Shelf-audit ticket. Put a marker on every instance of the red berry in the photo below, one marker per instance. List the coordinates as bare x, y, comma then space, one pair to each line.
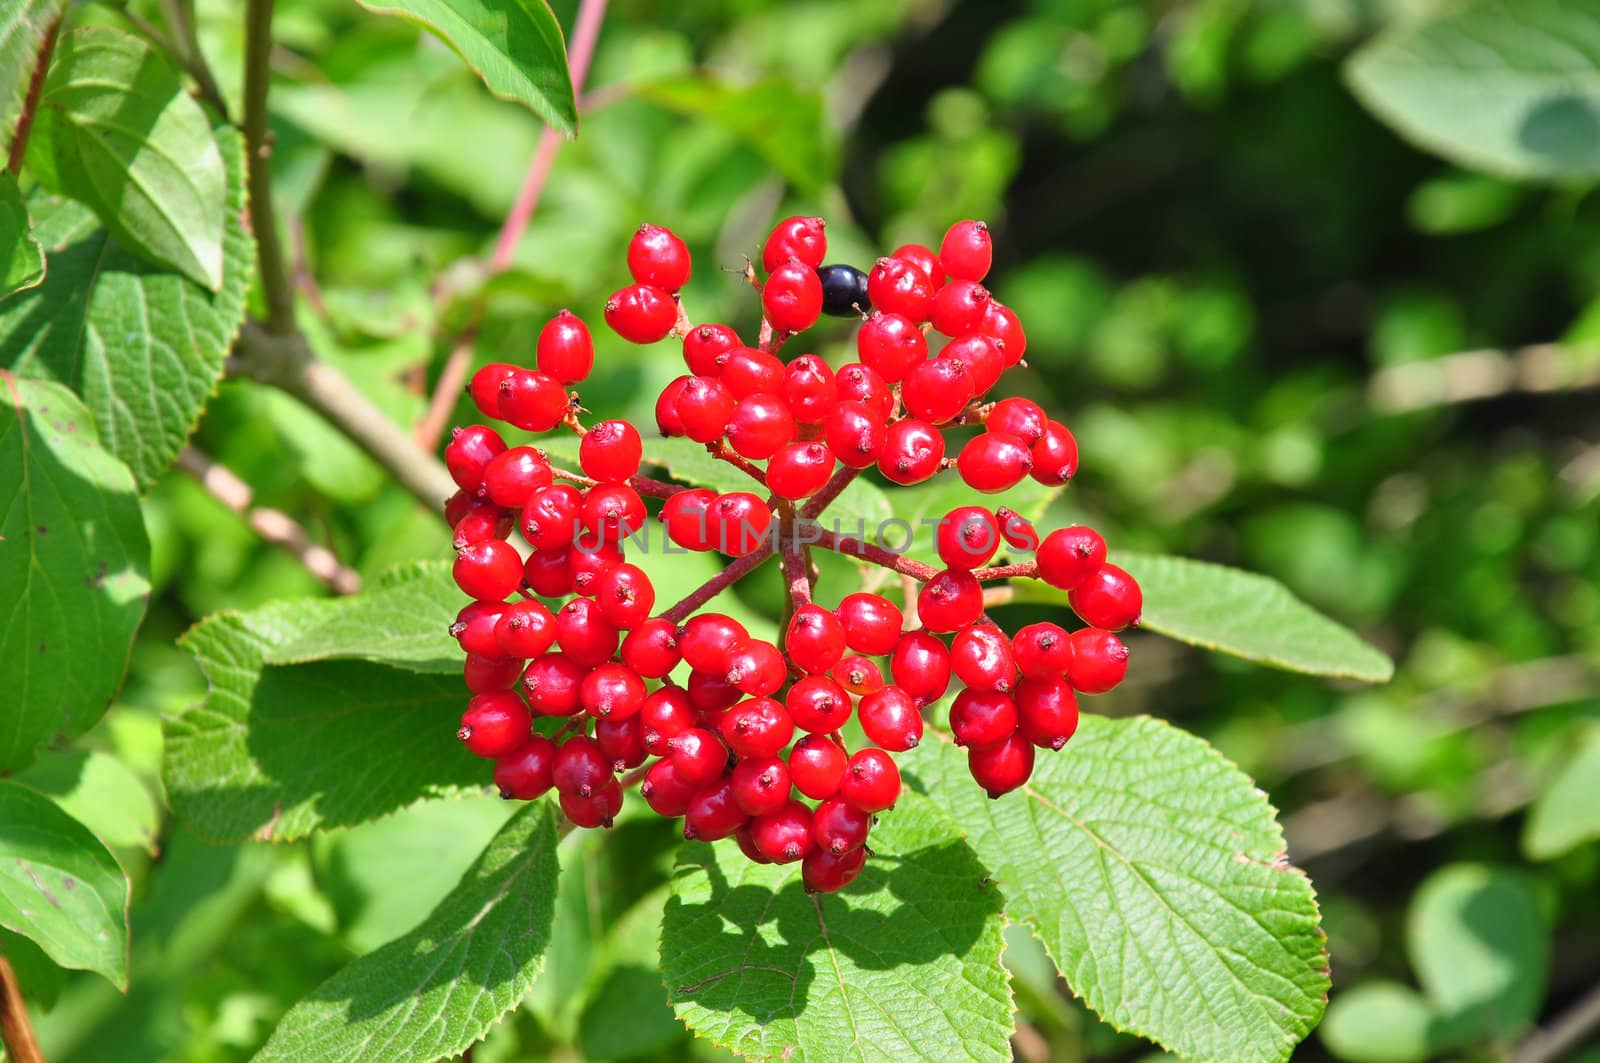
470, 451
923, 258
514, 475
1002, 323
552, 684
610, 451
801, 238
937, 391
625, 595
967, 251
967, 537
1055, 456
839, 827
747, 371
871, 781
759, 426
895, 286
1016, 530
581, 768
665, 714
1022, 418
1109, 599
950, 600
816, 766
809, 389
993, 462
706, 638
759, 727
920, 665
482, 674
526, 629
799, 469
738, 523
488, 571
657, 257
597, 810
818, 704
1068, 556
761, 785
983, 358
1047, 711
756, 667
642, 313
823, 872
1042, 650
706, 347
612, 691
858, 675
621, 740
565, 349
1002, 767
474, 628
855, 434
890, 719
665, 791
525, 773
746, 837
710, 692
485, 387
584, 634
892, 345
668, 421
612, 512
713, 814
815, 639
1099, 661
912, 451
958, 307
863, 384
784, 836
792, 297
981, 658
651, 648
687, 516
982, 717
496, 723
871, 623
588, 558
533, 401
697, 755
551, 519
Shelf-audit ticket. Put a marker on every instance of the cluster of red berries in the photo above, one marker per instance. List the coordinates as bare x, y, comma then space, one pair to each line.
723, 730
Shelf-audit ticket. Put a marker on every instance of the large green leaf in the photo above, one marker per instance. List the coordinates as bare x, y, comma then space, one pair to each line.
74, 568
276, 753
1154, 872
1566, 812
23, 25
117, 132
60, 887
1507, 86
514, 45
404, 621
21, 257
1250, 616
434, 992
903, 964
143, 346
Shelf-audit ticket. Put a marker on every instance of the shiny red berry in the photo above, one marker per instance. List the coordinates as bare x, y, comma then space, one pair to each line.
738, 522
622, 740
756, 667
706, 348
759, 426
747, 371
761, 785
871, 781
858, 675
758, 727
599, 809
816, 766
713, 814
1042, 650
871, 622
665, 714
983, 358
665, 791
1110, 598
799, 470
803, 238
469, 453
482, 674
612, 691
892, 345
809, 389
1022, 418
818, 704
967, 250
1002, 767
840, 827
792, 297
895, 286
967, 537
1047, 711
891, 719
913, 450
924, 259
1055, 456
488, 571
533, 401
552, 683
525, 773
1068, 556
668, 421
950, 600
861, 383
705, 640
485, 387
584, 634
938, 390
496, 723
610, 451
981, 657
822, 872
512, 477
1099, 661
1002, 323
565, 350
656, 256
651, 647
920, 665
642, 313
784, 836
815, 639
982, 717
624, 595
958, 307
993, 462
855, 434
475, 626
552, 517
526, 629
687, 516
698, 756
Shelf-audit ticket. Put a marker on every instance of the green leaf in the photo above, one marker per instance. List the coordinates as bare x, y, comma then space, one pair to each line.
23, 25
126, 140
21, 257
783, 125
1566, 813
102, 793
74, 568
437, 990
60, 887
515, 46
1250, 616
1379, 1022
1507, 86
1154, 872
276, 753
404, 622
108, 325
628, 984
902, 964
1481, 949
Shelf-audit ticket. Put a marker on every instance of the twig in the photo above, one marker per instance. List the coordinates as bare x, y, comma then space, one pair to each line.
722, 452
16, 1033
1472, 375
719, 583
275, 285
180, 16
643, 484
453, 377
274, 526
300, 266
1566, 1032
285, 362
30, 102
796, 568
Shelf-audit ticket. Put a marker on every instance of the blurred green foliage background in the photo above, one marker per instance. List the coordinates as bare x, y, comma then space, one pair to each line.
1248, 298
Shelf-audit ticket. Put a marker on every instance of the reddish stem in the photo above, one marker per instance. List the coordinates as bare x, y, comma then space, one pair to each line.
643, 484
723, 452
30, 102
845, 544
796, 566
720, 582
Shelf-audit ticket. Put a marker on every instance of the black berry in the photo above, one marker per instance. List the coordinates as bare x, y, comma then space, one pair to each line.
844, 291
